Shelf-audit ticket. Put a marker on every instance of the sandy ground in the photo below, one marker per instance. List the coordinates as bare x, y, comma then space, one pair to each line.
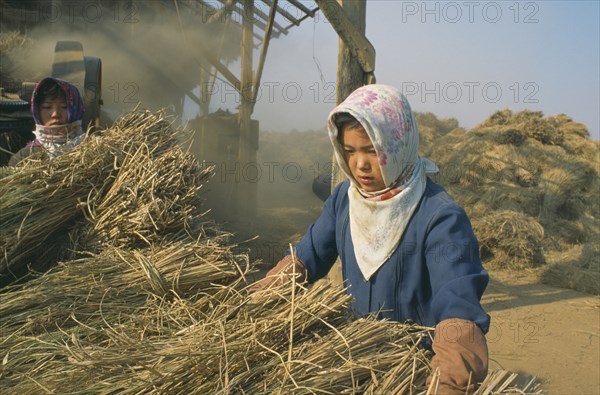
542, 331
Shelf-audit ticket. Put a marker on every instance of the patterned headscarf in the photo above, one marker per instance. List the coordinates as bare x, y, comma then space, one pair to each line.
378, 219
54, 137
386, 116
74, 101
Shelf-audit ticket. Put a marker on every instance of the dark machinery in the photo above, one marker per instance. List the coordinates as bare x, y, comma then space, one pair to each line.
16, 121
233, 189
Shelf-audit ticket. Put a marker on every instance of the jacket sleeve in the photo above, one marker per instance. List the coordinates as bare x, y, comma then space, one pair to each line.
457, 276
318, 249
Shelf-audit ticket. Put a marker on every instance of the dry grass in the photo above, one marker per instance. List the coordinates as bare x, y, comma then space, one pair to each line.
128, 180
155, 300
510, 239
576, 268
529, 185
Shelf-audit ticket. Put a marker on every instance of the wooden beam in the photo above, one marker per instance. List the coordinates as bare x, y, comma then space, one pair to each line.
258, 17
245, 193
263, 52
226, 9
211, 75
247, 48
356, 41
207, 54
205, 75
221, 68
311, 15
284, 13
215, 14
303, 8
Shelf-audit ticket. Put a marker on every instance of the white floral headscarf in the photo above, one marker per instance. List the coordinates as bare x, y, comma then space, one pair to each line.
377, 226
386, 116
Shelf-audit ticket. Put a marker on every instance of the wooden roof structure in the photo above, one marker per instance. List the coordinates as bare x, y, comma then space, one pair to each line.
271, 21
290, 16
189, 40
258, 21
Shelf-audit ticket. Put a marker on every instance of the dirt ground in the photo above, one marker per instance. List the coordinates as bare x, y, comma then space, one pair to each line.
542, 331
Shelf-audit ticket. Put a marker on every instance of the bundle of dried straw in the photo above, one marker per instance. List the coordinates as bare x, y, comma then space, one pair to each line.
129, 180
156, 302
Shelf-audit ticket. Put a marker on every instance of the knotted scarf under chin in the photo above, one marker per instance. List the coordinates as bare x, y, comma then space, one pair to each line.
54, 137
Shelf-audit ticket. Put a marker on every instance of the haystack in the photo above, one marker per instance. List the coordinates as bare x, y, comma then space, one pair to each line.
510, 239
154, 298
530, 186
129, 179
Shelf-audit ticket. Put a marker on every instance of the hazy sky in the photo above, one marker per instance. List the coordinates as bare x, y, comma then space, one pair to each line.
463, 59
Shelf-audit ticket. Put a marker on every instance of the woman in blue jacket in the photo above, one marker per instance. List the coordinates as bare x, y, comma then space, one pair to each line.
408, 251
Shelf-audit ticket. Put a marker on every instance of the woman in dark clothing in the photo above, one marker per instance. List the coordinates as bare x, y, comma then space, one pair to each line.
408, 251
57, 110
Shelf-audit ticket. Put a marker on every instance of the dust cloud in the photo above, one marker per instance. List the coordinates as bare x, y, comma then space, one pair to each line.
152, 56
150, 53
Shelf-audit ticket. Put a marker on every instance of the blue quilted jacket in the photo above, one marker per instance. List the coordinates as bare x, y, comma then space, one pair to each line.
434, 274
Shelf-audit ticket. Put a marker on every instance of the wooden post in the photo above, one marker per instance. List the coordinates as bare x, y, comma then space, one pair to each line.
208, 76
243, 193
205, 88
350, 76
263, 51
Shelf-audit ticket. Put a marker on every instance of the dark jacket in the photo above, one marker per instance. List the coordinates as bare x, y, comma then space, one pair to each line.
434, 274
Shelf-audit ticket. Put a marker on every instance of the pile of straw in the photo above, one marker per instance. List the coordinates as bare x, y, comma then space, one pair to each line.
529, 185
129, 180
510, 239
106, 324
153, 298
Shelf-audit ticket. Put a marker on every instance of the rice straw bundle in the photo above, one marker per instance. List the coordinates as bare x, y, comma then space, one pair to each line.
510, 239
356, 357
126, 277
576, 268
574, 277
39, 203
147, 199
153, 351
158, 303
45, 200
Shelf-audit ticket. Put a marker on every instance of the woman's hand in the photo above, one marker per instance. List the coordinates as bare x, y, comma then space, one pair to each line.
281, 274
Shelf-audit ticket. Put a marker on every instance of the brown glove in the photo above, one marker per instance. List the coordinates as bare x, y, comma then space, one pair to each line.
281, 274
460, 351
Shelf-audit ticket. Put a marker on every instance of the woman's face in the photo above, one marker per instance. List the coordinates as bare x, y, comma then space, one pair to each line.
54, 112
361, 158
